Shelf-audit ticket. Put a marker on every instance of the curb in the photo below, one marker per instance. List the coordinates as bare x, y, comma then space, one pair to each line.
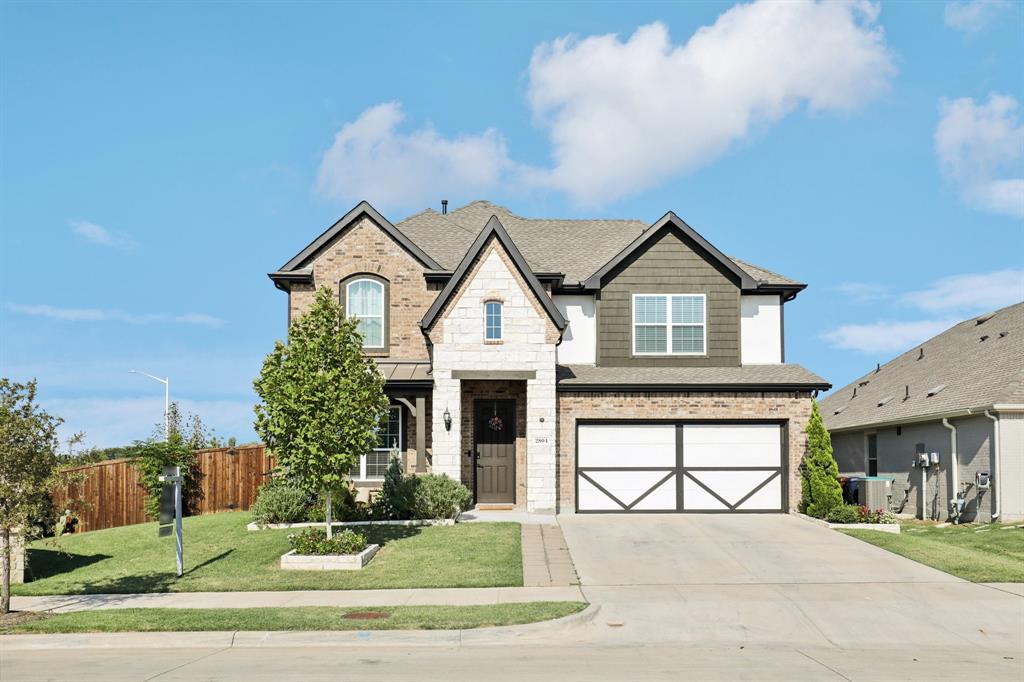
350, 524
310, 639
877, 527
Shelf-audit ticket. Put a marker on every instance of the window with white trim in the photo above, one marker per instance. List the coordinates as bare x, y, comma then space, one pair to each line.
373, 465
364, 299
492, 321
669, 324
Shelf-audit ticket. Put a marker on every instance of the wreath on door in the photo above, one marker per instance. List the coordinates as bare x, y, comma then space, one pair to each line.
495, 423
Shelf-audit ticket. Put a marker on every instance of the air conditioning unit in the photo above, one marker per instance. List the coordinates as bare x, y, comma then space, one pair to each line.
875, 492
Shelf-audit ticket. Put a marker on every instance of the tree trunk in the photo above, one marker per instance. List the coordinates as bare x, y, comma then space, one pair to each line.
330, 533
5, 593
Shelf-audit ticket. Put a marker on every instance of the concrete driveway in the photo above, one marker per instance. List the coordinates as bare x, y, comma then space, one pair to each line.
776, 580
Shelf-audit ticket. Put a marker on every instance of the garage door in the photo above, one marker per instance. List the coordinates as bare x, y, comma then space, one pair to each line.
680, 467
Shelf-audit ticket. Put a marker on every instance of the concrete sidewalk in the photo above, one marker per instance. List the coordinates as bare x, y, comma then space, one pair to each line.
213, 600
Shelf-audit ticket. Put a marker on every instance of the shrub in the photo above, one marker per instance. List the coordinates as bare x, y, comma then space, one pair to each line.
315, 541
439, 497
819, 474
847, 513
396, 498
150, 458
876, 516
344, 506
279, 501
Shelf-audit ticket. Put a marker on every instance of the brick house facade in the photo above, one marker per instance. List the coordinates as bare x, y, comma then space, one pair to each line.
508, 369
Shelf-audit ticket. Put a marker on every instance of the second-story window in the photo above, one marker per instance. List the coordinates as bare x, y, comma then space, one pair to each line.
492, 321
669, 324
364, 299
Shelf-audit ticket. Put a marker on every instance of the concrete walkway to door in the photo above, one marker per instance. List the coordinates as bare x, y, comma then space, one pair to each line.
774, 579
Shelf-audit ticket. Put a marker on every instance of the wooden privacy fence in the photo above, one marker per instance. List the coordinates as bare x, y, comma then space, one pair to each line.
115, 496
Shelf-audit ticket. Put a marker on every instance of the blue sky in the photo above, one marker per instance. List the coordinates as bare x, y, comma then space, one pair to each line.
156, 160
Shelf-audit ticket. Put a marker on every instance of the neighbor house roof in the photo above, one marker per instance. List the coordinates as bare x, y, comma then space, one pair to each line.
576, 248
746, 377
975, 364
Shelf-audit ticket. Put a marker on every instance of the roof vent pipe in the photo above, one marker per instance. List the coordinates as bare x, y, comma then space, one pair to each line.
906, 395
444, 207
878, 367
921, 355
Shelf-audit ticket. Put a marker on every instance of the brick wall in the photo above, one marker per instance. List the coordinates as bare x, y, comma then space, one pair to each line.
365, 248
793, 407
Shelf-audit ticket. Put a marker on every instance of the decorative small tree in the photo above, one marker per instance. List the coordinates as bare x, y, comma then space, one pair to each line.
820, 473
323, 400
28, 459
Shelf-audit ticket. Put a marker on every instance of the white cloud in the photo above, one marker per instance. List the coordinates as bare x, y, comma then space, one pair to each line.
885, 337
970, 16
97, 234
111, 315
864, 292
627, 115
952, 299
371, 159
108, 422
970, 292
980, 149
624, 116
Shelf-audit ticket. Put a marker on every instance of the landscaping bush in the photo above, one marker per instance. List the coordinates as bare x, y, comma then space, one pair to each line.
280, 501
819, 473
847, 513
315, 541
397, 496
852, 513
344, 506
439, 497
150, 458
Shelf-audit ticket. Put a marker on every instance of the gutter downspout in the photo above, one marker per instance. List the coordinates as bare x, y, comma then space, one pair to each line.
955, 464
997, 489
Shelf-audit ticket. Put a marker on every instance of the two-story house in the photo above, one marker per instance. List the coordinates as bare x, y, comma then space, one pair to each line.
559, 365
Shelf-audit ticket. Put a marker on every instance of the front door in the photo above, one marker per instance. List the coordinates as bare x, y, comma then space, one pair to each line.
494, 433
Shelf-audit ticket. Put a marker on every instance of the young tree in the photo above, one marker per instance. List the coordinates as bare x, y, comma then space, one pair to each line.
820, 473
323, 400
28, 458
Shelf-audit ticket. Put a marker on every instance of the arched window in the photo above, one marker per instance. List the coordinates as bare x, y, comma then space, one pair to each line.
492, 321
364, 299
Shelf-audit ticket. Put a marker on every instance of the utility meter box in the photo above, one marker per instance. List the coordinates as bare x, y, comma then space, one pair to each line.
922, 459
934, 458
983, 481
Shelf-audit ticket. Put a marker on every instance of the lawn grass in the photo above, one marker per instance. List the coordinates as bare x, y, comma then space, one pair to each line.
981, 554
298, 618
222, 556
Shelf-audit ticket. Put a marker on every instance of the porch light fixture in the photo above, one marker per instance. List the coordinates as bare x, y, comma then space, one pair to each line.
447, 420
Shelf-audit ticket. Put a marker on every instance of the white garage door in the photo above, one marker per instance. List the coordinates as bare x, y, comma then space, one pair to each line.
672, 467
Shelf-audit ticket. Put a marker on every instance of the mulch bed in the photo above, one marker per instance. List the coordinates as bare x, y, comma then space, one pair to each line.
9, 621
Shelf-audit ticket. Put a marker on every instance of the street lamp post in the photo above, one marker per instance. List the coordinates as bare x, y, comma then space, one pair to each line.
167, 399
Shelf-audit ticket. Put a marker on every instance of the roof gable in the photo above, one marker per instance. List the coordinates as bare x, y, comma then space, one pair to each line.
494, 229
671, 221
363, 208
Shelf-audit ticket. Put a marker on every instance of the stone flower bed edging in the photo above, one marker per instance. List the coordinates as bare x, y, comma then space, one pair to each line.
328, 562
350, 524
880, 527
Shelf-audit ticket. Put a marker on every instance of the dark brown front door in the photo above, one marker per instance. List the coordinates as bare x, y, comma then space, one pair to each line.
495, 447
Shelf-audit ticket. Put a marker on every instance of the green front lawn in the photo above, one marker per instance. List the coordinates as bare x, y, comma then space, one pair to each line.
298, 618
981, 554
221, 555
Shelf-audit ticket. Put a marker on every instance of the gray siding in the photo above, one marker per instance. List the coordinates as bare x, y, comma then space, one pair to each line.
673, 264
1011, 454
896, 453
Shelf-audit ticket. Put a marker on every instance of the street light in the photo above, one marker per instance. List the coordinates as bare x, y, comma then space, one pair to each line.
167, 399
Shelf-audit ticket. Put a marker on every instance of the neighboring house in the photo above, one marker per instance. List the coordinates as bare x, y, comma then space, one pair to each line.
591, 365
961, 395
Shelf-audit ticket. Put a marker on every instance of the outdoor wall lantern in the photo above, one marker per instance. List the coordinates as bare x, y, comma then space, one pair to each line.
447, 420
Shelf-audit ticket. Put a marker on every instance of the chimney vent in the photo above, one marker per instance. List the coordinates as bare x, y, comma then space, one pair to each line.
444, 207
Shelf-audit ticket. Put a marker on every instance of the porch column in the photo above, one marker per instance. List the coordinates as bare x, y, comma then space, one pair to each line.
421, 435
447, 444
540, 442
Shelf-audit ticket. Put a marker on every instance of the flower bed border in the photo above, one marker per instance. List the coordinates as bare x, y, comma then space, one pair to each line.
880, 527
292, 561
350, 524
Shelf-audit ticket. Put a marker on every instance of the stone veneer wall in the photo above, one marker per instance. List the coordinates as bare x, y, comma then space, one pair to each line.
529, 339
793, 407
501, 389
365, 248
17, 557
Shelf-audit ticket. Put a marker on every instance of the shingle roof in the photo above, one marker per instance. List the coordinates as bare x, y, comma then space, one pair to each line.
768, 376
577, 248
971, 372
